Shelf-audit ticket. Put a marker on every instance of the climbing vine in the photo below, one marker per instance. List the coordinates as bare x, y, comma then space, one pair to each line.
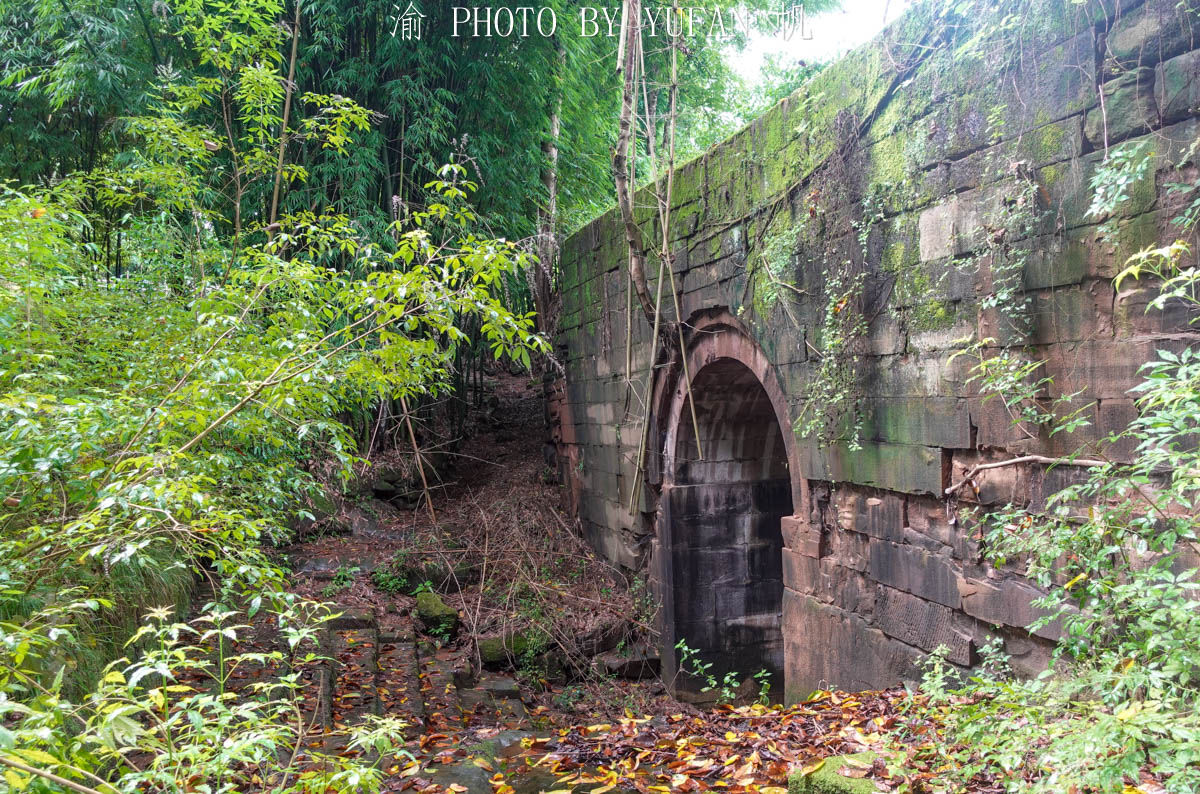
833, 395
1007, 248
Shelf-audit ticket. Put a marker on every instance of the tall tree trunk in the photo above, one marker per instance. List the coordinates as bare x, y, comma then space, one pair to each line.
287, 109
543, 292
631, 43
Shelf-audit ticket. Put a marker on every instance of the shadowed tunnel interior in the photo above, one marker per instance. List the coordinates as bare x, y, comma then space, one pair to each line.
725, 512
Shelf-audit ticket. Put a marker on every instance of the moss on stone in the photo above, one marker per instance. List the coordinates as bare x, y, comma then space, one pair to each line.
505, 648
1049, 142
932, 315
888, 162
826, 780
438, 616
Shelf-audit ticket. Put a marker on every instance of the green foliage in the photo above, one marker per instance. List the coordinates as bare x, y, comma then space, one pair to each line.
169, 718
1114, 179
832, 409
763, 678
158, 419
727, 686
1110, 552
390, 579
770, 273
1007, 245
343, 578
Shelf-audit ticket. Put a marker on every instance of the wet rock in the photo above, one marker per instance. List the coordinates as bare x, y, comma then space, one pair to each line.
473, 779
436, 615
502, 651
503, 744
353, 619
500, 686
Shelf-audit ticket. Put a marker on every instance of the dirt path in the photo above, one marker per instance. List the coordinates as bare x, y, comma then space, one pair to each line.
506, 559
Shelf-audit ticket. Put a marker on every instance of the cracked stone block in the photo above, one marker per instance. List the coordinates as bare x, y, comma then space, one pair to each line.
826, 646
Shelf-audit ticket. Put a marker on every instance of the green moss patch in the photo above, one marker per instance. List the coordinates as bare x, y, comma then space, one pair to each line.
828, 777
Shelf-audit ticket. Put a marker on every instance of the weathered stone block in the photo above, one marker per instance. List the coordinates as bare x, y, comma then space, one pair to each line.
921, 623
1177, 87
1008, 603
998, 486
826, 646
1129, 109
800, 571
801, 536
897, 467
937, 421
942, 230
915, 571
849, 549
847, 589
1155, 31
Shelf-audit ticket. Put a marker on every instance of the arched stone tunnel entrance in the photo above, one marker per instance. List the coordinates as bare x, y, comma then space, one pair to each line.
719, 544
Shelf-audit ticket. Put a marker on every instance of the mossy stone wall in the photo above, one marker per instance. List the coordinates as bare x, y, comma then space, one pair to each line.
902, 161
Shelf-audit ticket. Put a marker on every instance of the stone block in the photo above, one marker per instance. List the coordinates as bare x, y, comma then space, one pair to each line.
930, 517
916, 571
796, 531
1104, 369
907, 468
876, 513
1008, 603
1177, 87
801, 536
849, 549
924, 624
1129, 109
931, 421
800, 572
850, 590
1072, 314
828, 647
1153, 32
998, 486
941, 228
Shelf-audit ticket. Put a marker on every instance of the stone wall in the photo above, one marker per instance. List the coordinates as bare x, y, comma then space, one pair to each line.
943, 162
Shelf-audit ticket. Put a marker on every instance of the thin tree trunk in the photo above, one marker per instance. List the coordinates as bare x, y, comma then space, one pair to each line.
287, 110
631, 38
547, 232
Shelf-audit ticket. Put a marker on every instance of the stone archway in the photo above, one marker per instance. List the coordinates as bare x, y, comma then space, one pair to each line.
719, 548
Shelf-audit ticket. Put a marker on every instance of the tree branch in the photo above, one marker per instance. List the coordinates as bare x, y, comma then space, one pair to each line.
970, 475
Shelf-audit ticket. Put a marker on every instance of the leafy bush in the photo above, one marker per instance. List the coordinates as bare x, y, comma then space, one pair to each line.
1112, 553
159, 421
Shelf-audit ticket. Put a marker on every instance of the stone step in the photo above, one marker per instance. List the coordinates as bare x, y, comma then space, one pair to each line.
349, 690
399, 683
439, 690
